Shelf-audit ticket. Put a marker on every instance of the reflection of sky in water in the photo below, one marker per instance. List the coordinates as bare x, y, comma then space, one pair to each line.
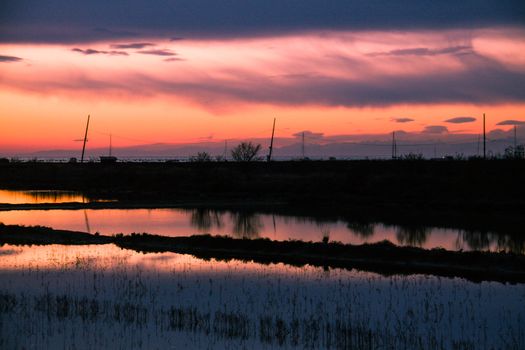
403, 311
184, 222
36, 197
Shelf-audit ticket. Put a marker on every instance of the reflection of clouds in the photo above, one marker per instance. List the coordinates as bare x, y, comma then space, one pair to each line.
246, 225
205, 219
412, 235
360, 229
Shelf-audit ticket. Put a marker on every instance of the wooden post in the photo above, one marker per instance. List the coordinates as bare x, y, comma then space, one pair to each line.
271, 141
85, 139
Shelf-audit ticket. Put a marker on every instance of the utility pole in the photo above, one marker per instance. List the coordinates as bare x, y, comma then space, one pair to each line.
225, 148
85, 139
271, 141
484, 139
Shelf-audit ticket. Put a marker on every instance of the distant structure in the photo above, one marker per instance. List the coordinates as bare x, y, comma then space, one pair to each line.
110, 158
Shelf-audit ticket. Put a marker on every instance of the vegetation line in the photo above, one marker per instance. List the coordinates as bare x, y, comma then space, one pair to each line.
384, 257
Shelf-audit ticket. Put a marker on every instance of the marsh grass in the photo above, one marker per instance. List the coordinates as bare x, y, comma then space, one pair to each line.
103, 297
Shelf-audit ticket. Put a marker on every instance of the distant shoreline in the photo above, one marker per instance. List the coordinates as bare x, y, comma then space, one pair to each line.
383, 258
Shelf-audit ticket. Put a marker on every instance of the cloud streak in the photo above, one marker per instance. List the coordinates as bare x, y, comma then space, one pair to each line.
435, 129
460, 120
424, 51
9, 59
288, 71
511, 122
88, 52
402, 120
158, 52
481, 84
131, 46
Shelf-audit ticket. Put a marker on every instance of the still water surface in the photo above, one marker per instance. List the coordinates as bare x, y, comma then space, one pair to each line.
88, 297
184, 222
240, 224
42, 196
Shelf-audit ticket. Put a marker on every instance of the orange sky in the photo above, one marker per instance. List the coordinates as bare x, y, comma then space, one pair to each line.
334, 83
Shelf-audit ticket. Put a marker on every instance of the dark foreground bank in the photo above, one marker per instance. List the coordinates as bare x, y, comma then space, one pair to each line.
479, 195
384, 258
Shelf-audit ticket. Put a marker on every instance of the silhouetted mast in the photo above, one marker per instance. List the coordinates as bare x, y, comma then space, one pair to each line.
271, 141
484, 139
110, 146
85, 139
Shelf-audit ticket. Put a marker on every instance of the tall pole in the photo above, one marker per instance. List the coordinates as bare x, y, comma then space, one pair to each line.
110, 145
271, 141
85, 139
484, 139
225, 148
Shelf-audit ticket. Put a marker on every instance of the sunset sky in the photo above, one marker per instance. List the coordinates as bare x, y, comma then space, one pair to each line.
189, 71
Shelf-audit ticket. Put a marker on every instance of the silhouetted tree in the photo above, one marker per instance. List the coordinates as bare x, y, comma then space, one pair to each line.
201, 157
515, 153
245, 152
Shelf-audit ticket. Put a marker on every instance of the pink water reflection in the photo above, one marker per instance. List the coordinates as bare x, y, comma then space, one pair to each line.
184, 222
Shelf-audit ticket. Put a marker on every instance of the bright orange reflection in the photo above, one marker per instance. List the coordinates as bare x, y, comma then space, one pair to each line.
36, 197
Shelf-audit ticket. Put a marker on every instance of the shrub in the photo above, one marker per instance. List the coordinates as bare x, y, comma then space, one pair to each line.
245, 152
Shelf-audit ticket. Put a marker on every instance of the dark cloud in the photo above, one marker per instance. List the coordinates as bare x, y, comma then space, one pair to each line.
435, 129
511, 122
9, 59
309, 135
423, 51
98, 52
402, 120
158, 52
131, 46
45, 21
174, 59
482, 81
460, 120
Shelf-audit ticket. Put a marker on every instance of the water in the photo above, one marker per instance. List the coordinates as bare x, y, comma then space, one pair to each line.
87, 297
184, 222
42, 196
